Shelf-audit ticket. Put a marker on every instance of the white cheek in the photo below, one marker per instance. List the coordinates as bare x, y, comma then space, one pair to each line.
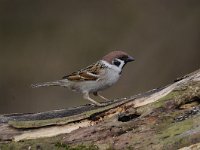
113, 67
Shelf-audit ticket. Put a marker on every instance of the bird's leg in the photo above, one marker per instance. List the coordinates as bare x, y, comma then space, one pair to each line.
97, 94
86, 96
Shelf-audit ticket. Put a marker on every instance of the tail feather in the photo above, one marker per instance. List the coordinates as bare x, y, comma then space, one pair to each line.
53, 83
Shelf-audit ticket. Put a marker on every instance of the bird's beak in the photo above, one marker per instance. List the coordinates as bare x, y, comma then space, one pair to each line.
129, 59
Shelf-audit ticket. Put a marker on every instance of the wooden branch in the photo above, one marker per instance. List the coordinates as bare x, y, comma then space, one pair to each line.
84, 120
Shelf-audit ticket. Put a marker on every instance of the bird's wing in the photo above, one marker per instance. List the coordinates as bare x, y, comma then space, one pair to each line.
90, 73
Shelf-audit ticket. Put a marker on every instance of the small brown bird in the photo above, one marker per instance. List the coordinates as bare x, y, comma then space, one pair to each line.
94, 78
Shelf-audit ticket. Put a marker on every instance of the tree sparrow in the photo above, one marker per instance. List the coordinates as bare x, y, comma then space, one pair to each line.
94, 78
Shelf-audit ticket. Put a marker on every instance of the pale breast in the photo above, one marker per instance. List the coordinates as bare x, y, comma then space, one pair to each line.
107, 77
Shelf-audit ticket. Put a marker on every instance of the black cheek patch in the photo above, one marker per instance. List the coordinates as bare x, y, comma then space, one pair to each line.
116, 63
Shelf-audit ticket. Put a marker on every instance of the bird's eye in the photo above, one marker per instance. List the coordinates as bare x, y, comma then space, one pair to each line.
116, 62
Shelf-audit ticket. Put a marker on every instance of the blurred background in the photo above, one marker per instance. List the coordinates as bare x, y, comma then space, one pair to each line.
44, 40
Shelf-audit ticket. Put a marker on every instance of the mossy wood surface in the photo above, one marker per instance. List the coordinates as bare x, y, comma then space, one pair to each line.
164, 118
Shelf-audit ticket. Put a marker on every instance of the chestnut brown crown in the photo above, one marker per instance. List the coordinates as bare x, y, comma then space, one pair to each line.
118, 55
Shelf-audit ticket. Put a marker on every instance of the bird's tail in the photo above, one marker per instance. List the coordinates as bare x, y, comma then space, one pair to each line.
63, 83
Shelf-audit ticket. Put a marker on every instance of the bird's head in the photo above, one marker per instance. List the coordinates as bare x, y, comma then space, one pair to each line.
118, 58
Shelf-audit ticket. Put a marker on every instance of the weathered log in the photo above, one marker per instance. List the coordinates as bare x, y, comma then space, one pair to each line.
167, 117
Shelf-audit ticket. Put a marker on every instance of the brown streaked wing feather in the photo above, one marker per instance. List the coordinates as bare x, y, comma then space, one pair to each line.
88, 74
73, 77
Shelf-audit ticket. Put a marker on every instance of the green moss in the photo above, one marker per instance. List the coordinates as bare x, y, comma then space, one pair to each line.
42, 123
169, 96
46, 144
42, 143
184, 93
177, 128
178, 96
171, 136
77, 147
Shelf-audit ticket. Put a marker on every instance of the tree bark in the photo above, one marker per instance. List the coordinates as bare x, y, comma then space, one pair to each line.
163, 118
